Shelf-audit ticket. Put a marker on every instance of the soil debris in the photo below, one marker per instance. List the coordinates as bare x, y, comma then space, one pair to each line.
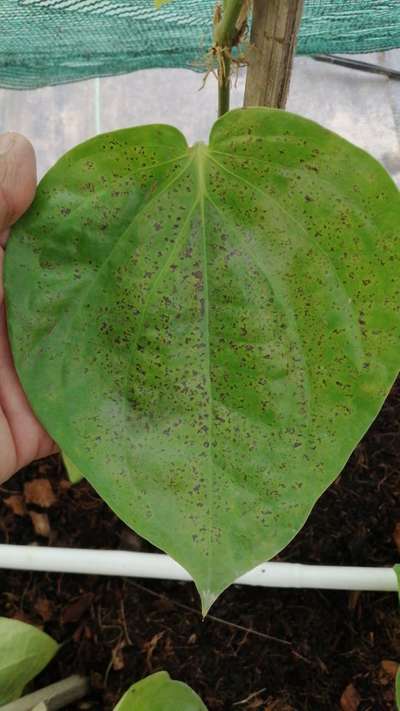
350, 699
40, 523
39, 492
16, 504
396, 535
74, 611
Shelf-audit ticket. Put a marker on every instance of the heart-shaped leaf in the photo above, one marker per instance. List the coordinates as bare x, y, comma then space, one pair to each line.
159, 692
24, 652
208, 332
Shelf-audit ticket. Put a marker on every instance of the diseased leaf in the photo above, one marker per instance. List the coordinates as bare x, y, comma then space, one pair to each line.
208, 332
159, 692
24, 652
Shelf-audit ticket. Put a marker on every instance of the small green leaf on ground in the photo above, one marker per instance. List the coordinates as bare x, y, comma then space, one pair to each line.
159, 692
396, 569
24, 652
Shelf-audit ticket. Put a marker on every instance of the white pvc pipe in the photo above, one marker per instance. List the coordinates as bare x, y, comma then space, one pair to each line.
155, 565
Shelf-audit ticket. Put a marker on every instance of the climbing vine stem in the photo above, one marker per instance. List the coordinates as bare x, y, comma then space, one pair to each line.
229, 23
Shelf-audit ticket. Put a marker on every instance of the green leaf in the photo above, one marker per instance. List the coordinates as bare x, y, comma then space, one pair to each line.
396, 569
24, 652
208, 332
73, 472
159, 692
158, 3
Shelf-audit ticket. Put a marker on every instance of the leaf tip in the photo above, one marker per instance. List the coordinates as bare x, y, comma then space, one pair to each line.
207, 600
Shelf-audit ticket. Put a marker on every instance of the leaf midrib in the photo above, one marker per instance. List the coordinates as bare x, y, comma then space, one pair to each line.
201, 153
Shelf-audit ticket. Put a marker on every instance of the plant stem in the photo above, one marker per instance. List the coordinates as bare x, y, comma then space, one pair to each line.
224, 88
226, 29
53, 697
225, 33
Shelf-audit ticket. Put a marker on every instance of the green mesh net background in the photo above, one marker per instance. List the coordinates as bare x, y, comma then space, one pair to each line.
54, 41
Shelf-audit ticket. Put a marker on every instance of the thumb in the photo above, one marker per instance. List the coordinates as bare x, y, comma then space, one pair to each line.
17, 179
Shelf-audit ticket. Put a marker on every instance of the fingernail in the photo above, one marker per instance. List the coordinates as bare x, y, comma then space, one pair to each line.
7, 141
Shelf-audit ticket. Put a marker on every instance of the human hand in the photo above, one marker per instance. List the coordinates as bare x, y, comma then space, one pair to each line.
22, 438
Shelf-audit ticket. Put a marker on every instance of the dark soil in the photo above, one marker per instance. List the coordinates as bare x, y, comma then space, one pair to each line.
118, 630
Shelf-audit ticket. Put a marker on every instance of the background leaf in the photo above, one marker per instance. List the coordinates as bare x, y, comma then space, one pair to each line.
208, 332
159, 692
24, 652
396, 569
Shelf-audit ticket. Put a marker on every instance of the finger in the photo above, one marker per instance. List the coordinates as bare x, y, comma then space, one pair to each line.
1, 276
30, 441
17, 179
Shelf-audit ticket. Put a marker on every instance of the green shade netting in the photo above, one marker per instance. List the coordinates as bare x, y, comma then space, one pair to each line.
54, 41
